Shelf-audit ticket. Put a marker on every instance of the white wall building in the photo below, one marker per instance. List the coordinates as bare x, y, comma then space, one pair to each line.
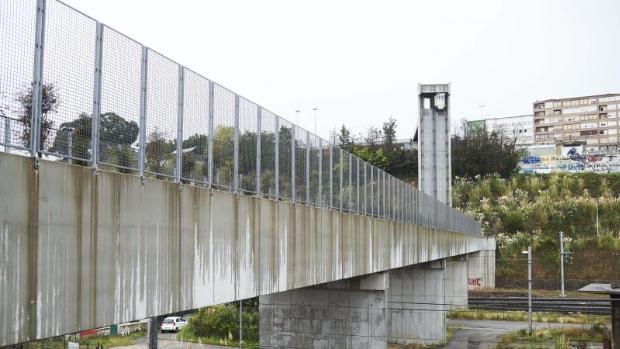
519, 127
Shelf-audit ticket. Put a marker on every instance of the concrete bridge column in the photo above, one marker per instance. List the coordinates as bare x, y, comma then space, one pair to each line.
456, 283
416, 299
344, 314
400, 306
481, 267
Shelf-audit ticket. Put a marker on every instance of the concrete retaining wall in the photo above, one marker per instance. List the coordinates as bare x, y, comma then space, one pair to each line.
80, 251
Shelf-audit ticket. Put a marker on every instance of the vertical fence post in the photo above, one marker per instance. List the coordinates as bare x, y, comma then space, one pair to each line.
143, 92
276, 169
259, 116
307, 177
7, 133
320, 169
210, 131
293, 189
97, 97
350, 203
340, 175
365, 188
37, 81
357, 184
331, 175
236, 147
372, 191
180, 112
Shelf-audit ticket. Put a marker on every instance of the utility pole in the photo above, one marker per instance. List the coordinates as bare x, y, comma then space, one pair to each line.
597, 217
562, 294
529, 288
240, 323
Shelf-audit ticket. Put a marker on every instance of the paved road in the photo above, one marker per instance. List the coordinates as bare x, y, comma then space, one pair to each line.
484, 334
169, 341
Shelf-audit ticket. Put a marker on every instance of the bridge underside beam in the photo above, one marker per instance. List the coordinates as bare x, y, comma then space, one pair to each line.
81, 251
400, 306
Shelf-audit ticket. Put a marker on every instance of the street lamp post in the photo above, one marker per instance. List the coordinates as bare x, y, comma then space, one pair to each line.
315, 110
562, 263
297, 113
529, 288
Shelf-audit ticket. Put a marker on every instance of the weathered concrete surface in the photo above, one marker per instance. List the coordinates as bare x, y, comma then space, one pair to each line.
417, 306
481, 266
347, 314
399, 306
456, 283
80, 251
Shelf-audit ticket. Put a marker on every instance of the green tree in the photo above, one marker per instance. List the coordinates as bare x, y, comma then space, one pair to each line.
344, 139
49, 105
158, 152
115, 138
481, 153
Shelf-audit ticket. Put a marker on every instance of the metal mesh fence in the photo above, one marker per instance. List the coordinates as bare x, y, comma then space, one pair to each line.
248, 127
300, 164
326, 174
314, 190
119, 123
268, 153
17, 42
194, 164
68, 81
285, 156
100, 98
161, 116
223, 137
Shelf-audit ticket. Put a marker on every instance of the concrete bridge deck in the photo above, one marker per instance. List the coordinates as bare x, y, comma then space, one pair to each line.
80, 249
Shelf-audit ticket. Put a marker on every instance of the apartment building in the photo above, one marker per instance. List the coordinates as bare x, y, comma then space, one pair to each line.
589, 120
518, 127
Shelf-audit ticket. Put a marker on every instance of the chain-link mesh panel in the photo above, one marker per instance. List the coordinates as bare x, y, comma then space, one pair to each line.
300, 164
119, 122
161, 116
337, 178
68, 81
223, 137
248, 125
346, 181
315, 157
194, 163
364, 180
285, 139
267, 153
17, 35
326, 176
354, 184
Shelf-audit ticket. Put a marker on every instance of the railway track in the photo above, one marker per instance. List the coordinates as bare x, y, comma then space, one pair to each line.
555, 305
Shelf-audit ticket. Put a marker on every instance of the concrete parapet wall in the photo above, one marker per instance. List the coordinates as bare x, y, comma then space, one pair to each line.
80, 251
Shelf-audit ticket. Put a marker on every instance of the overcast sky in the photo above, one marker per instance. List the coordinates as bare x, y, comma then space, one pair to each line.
360, 62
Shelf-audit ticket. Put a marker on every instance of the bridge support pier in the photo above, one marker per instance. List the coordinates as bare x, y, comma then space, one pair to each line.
417, 304
400, 306
481, 267
344, 314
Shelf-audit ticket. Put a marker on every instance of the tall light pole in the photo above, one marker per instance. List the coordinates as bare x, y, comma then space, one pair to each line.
297, 113
315, 110
529, 288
